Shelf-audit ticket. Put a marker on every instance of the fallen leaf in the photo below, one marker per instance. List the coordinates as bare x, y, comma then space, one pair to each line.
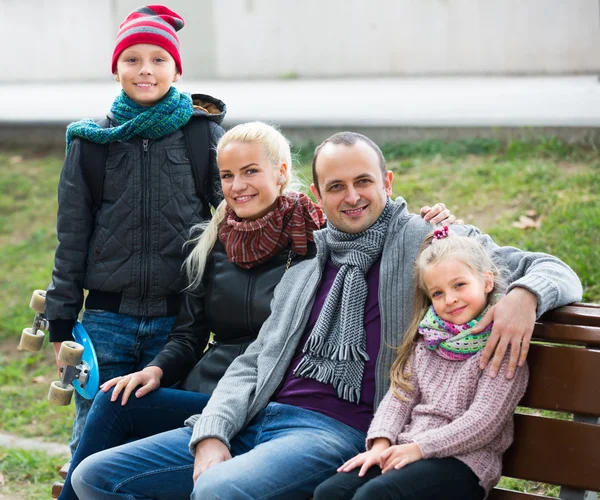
39, 380
531, 213
525, 222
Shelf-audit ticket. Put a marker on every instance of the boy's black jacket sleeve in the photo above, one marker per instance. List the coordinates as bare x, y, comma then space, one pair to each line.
74, 228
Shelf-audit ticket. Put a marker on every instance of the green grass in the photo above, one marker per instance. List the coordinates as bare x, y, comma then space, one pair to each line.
27, 234
531, 487
24, 383
483, 181
27, 474
492, 192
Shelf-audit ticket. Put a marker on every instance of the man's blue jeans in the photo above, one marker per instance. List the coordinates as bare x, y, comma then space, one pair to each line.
123, 344
110, 424
285, 452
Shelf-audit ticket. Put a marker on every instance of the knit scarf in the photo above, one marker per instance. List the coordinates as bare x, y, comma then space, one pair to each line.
450, 341
335, 352
248, 243
172, 112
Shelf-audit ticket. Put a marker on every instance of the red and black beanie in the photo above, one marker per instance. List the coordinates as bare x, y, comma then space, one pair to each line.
155, 24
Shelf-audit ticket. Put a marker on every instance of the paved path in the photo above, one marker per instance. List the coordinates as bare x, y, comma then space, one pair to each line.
572, 101
32, 444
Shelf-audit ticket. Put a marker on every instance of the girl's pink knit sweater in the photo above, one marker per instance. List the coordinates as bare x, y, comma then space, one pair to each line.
454, 410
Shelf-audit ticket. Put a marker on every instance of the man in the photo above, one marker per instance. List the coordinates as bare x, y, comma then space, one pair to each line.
298, 403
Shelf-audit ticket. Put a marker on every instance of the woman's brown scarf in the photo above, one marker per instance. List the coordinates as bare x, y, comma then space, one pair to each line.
249, 243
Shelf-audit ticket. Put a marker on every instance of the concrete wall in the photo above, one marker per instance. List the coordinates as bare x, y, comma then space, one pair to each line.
50, 40
60, 40
406, 37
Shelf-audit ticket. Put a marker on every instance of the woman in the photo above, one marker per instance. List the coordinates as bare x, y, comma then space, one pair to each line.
259, 230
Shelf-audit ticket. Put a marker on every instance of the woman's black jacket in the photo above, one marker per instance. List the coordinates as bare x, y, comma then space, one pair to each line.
231, 302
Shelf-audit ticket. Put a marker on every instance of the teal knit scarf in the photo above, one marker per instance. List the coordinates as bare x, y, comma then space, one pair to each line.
173, 111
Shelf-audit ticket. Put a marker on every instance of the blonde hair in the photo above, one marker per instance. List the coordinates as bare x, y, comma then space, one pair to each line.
467, 250
277, 150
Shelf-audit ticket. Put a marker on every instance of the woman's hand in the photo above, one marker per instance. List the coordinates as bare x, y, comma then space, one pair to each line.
439, 214
396, 457
367, 459
148, 378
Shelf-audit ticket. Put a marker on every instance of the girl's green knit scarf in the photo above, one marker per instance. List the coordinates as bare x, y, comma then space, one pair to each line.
450, 341
173, 111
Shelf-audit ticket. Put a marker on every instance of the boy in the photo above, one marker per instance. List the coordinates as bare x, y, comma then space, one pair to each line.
127, 251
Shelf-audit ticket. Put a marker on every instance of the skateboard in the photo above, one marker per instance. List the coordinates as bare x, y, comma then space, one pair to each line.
80, 365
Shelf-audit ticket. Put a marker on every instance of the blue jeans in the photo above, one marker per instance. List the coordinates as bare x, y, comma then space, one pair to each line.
110, 424
123, 344
285, 452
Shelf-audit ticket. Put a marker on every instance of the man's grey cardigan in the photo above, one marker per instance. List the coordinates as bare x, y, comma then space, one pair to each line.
253, 377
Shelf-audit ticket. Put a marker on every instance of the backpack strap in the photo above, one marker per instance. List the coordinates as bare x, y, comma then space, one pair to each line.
93, 163
197, 140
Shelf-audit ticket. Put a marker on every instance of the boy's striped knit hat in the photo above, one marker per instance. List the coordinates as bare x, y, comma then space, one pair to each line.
155, 24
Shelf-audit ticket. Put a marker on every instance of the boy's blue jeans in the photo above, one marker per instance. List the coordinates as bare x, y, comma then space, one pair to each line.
123, 344
285, 452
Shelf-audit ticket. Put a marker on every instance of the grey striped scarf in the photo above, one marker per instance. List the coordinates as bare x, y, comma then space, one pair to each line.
336, 349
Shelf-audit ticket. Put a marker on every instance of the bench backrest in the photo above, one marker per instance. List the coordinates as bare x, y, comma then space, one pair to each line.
564, 377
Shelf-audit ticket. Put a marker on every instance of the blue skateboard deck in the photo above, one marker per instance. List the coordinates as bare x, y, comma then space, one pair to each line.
89, 357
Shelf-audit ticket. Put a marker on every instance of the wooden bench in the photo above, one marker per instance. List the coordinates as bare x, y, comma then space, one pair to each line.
564, 377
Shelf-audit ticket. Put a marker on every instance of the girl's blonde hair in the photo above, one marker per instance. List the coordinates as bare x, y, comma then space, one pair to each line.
467, 250
277, 150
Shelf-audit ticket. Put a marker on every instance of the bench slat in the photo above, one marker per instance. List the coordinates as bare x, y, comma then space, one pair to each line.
571, 334
575, 314
502, 494
563, 379
555, 451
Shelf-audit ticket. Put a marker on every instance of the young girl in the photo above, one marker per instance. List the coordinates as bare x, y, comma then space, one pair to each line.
128, 252
441, 430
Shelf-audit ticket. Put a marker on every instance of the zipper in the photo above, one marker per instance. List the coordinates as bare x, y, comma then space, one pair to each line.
145, 183
248, 292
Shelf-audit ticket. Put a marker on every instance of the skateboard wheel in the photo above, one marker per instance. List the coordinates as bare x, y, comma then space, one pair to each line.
31, 341
57, 488
38, 301
60, 394
70, 353
64, 470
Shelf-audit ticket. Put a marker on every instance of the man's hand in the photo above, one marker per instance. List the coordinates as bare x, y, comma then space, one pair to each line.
148, 378
514, 319
396, 457
367, 459
439, 214
209, 452
56, 350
